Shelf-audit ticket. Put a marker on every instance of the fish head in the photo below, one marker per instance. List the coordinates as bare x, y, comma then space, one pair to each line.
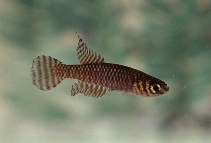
152, 87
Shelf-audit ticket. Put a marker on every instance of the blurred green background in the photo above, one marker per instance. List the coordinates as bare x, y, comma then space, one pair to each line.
168, 39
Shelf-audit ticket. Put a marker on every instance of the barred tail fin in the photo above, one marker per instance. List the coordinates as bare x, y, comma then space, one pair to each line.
43, 72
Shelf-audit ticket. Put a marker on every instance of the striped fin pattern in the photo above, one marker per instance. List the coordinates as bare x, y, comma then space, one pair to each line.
43, 72
88, 89
87, 56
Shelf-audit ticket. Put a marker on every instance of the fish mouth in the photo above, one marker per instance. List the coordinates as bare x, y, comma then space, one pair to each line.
165, 89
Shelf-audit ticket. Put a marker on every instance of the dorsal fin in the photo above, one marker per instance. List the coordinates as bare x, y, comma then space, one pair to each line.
88, 89
87, 56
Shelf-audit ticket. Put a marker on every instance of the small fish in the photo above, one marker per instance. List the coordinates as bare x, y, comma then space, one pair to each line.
94, 76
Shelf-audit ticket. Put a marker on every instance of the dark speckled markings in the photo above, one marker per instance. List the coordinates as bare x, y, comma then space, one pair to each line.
94, 76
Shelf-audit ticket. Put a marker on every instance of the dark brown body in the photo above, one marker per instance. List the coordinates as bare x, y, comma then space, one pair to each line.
112, 76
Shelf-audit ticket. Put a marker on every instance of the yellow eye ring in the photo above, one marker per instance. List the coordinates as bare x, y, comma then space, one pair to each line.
154, 88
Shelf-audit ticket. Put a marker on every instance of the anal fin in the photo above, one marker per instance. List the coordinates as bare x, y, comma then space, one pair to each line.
88, 89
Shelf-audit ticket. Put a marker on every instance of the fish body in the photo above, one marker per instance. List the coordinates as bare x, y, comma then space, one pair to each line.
94, 76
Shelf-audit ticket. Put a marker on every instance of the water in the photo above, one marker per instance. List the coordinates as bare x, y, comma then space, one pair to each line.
170, 40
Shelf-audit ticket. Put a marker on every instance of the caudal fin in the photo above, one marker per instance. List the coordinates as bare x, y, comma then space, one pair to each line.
43, 72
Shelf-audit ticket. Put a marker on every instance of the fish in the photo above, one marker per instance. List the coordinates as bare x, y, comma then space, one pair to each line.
94, 77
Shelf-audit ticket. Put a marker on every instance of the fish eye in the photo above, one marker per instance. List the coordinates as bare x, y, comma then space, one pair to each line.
155, 88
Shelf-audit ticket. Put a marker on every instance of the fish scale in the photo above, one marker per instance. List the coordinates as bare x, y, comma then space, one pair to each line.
101, 73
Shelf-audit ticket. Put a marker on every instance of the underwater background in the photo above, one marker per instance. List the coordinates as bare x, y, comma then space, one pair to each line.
170, 40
